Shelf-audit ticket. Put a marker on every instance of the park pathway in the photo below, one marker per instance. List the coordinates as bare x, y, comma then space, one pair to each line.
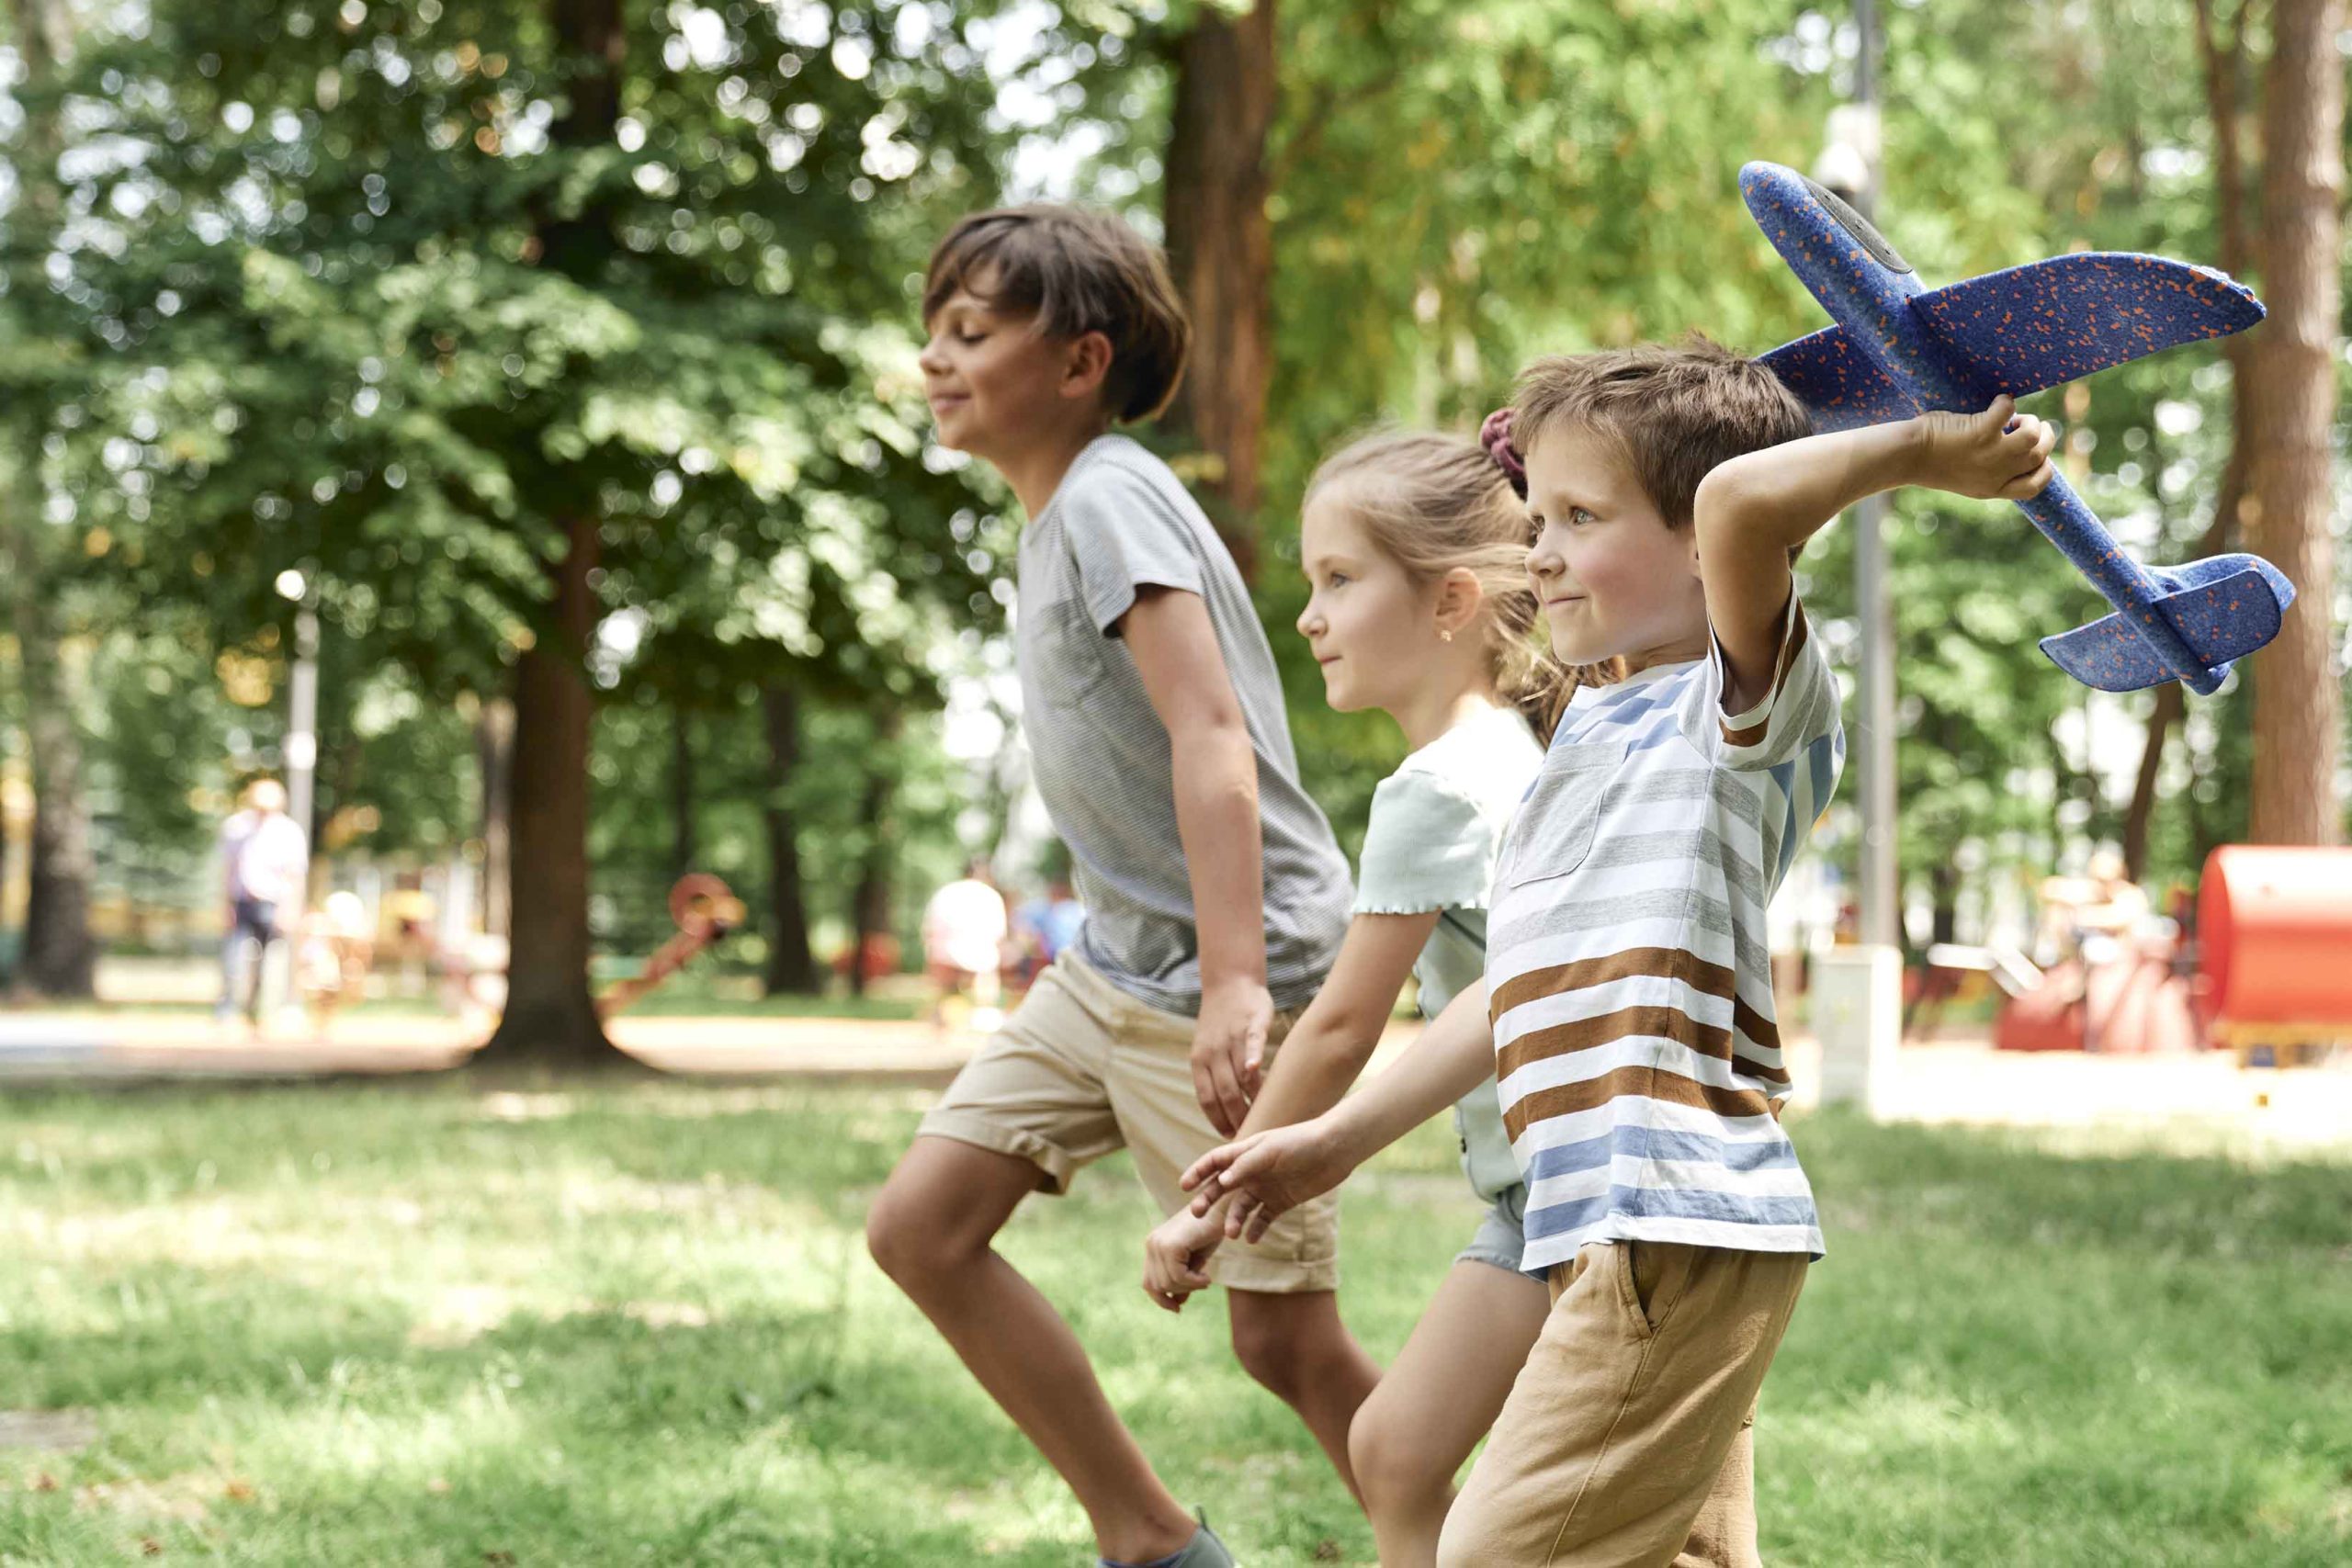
1954, 1079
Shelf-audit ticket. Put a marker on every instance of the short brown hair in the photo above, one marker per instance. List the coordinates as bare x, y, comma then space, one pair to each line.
1676, 411
1074, 271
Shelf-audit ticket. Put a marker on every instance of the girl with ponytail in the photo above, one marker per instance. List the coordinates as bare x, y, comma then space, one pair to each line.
1415, 548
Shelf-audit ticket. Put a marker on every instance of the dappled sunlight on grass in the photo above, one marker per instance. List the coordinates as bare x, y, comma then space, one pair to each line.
637, 1321
1909, 1423
507, 1106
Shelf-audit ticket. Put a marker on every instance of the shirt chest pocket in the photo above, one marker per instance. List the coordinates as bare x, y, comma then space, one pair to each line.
1068, 656
1552, 835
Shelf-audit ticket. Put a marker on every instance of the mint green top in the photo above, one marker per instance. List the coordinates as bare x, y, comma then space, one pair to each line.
1437, 825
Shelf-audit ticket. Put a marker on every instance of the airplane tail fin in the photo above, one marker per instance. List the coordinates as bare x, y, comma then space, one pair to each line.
2223, 608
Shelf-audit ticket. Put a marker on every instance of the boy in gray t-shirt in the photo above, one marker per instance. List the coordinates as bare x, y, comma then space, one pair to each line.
1215, 895
1119, 527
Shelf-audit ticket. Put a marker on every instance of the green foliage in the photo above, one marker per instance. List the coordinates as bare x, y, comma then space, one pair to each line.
2107, 147
393, 323
1461, 189
632, 833
339, 295
173, 739
349, 301
165, 725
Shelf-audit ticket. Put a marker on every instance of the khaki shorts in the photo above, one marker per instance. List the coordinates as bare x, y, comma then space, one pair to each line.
1629, 1438
1081, 1070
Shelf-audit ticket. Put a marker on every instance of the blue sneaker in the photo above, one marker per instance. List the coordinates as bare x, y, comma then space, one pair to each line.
1204, 1550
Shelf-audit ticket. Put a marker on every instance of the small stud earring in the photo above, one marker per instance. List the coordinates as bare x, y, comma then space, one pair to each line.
1446, 636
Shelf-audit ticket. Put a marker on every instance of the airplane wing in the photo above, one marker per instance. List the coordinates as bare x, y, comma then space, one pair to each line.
2033, 327
1840, 385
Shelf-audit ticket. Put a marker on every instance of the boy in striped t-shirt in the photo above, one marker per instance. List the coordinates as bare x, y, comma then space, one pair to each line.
1627, 1009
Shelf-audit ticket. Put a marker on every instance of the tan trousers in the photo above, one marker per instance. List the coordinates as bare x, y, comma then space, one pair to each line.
1628, 1440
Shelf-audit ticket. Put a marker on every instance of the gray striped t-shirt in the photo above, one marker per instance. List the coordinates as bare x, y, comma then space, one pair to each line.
1120, 522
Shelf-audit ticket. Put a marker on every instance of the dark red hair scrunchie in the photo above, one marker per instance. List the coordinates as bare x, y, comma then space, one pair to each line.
1495, 436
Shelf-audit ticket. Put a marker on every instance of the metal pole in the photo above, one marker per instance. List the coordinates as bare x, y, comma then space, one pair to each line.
302, 727
1875, 719
1857, 1001
1880, 892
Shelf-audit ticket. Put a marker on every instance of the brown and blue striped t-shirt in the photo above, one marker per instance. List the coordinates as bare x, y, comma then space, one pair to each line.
1628, 976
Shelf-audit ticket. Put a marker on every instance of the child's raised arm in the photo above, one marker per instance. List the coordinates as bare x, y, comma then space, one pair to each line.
1753, 511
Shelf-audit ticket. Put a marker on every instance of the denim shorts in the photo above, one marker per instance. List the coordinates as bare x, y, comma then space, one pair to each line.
1501, 1236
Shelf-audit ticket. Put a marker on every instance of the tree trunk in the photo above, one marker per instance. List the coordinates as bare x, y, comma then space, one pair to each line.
2223, 60
2140, 815
1943, 887
1220, 248
792, 968
2296, 695
60, 956
683, 849
2139, 818
550, 1019
869, 904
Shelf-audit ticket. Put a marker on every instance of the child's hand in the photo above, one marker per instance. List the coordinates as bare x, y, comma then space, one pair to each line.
1998, 454
1229, 1050
1268, 1174
1176, 1255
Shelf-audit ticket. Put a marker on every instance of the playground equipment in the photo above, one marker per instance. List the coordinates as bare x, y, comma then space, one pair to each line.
2274, 932
2131, 1002
1899, 348
704, 910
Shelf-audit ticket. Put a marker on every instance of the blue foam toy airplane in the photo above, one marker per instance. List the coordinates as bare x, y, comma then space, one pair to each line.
1899, 348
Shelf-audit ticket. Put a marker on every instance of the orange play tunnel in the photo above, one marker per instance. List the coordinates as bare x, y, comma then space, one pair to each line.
2274, 937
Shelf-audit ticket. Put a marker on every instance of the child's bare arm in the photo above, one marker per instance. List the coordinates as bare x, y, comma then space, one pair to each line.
1175, 648
1315, 1065
1752, 511
1272, 1172
1454, 1055
1343, 1024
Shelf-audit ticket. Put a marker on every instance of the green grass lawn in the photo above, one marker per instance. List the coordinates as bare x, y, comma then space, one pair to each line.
634, 1323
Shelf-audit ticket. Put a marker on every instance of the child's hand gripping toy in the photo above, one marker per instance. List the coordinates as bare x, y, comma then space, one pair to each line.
1899, 349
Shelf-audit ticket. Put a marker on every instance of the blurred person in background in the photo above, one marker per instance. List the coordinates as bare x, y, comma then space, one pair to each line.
1042, 927
964, 928
264, 854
